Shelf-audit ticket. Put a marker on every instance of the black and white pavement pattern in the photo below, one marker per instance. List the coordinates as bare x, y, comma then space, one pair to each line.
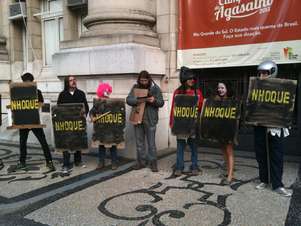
128, 197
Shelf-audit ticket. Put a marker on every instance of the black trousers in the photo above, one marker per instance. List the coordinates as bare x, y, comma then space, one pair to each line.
276, 156
66, 158
40, 135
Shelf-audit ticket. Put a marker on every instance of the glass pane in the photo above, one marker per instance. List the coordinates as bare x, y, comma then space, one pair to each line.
81, 26
56, 5
61, 29
51, 41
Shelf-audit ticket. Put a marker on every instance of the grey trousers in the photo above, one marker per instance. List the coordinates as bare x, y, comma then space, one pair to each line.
143, 131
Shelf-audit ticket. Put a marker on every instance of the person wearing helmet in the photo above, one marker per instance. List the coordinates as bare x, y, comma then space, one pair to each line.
266, 70
188, 86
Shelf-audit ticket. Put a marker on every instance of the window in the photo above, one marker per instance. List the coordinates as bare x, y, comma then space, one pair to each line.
53, 29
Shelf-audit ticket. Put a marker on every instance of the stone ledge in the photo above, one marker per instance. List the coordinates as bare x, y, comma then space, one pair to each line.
127, 58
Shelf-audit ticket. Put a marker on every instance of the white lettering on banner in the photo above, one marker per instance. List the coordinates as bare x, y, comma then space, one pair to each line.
227, 10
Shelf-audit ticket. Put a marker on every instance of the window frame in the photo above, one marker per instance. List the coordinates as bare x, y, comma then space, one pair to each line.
47, 15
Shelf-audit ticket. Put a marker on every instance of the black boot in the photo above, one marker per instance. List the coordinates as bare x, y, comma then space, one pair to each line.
139, 165
154, 166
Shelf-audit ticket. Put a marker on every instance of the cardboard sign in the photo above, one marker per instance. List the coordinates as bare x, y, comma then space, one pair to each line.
220, 120
69, 127
270, 102
24, 105
109, 120
137, 112
185, 114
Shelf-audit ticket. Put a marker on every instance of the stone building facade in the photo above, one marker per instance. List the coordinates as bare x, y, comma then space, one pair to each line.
111, 41
94, 40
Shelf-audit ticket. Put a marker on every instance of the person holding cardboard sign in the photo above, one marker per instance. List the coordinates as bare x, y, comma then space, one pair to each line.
151, 102
188, 87
38, 132
269, 144
71, 94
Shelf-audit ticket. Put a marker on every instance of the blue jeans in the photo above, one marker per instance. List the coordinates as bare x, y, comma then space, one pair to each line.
102, 153
181, 143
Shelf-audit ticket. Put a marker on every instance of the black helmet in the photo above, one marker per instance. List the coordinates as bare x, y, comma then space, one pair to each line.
269, 66
186, 74
27, 77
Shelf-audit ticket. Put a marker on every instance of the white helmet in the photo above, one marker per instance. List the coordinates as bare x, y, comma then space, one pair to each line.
269, 66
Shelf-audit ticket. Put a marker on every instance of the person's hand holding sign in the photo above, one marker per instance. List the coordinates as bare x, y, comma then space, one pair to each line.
150, 99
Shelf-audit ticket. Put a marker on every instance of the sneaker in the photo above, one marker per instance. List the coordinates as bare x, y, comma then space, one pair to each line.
261, 186
21, 166
178, 173
50, 166
194, 172
225, 181
80, 164
138, 166
114, 166
284, 192
65, 171
100, 165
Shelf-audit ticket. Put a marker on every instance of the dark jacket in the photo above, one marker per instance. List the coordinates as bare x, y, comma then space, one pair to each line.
151, 109
78, 96
40, 97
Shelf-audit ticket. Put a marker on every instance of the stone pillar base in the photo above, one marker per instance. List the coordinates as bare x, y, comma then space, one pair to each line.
126, 58
119, 65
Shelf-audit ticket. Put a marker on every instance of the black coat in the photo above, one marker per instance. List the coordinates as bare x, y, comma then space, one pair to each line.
40, 97
78, 96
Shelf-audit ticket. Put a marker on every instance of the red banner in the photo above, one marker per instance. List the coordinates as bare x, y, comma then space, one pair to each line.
237, 23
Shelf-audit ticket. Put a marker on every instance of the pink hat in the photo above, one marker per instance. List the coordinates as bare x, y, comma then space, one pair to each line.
103, 90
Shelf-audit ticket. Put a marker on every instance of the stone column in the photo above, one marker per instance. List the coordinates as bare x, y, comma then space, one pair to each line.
116, 17
120, 42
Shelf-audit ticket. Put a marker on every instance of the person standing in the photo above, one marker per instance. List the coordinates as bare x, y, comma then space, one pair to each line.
223, 94
71, 94
147, 128
274, 137
188, 87
38, 132
104, 91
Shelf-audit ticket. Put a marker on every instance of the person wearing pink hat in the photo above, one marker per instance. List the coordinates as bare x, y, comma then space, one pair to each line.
103, 92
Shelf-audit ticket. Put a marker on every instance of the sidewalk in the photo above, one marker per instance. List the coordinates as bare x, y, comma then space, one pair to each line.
127, 197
